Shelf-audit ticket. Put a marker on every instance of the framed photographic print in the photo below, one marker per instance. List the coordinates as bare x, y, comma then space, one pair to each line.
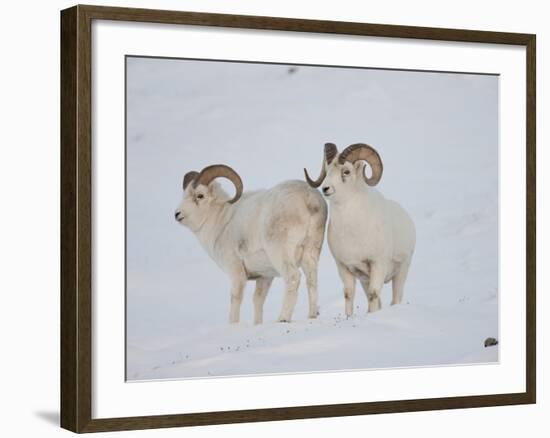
271, 218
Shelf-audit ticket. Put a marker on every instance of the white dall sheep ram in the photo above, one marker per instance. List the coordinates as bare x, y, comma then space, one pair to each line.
370, 237
257, 235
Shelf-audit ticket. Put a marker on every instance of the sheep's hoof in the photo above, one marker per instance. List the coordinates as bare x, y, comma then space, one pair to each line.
375, 307
283, 320
489, 342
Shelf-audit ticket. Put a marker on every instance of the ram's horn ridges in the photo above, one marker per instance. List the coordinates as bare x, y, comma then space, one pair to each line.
330, 152
189, 177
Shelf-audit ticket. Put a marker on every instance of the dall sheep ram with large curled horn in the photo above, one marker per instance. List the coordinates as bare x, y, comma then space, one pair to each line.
257, 235
371, 238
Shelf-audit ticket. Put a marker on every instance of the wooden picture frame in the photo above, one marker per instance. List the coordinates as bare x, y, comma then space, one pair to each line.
76, 218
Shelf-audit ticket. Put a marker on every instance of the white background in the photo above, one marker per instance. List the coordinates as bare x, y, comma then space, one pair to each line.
29, 239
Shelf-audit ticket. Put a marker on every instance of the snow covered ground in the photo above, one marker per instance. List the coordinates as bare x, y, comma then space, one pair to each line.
437, 135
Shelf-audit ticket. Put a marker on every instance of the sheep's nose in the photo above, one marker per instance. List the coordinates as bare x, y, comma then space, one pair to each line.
326, 189
177, 215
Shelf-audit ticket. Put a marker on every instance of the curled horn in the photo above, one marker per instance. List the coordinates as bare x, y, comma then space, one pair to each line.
361, 151
189, 176
330, 153
209, 173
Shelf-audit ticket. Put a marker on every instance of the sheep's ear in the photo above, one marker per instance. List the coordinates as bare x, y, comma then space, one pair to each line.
359, 167
214, 187
363, 169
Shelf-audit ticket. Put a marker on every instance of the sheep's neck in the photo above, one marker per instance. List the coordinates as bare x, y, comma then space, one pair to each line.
348, 210
213, 229
358, 195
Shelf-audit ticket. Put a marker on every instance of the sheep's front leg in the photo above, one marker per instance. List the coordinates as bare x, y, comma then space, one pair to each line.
291, 276
375, 285
262, 287
349, 287
238, 283
398, 283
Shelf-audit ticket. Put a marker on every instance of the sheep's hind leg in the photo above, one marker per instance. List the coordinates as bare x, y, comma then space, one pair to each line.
398, 283
349, 287
291, 276
312, 250
262, 287
309, 266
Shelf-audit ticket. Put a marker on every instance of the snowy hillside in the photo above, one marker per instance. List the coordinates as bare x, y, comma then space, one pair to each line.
437, 135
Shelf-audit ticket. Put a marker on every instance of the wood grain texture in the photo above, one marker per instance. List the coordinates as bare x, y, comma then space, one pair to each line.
76, 294
69, 329
76, 217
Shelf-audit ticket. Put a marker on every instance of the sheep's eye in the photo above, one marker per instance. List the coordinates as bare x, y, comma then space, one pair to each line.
346, 172
200, 196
